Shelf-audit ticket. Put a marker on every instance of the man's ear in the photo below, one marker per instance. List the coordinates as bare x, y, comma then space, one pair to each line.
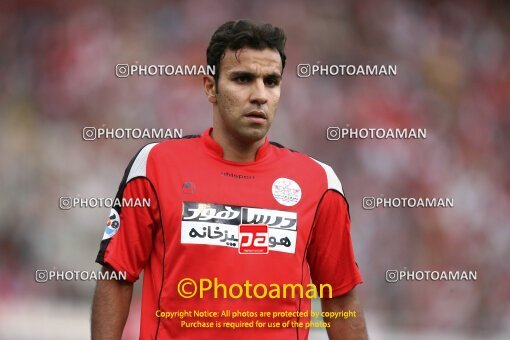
210, 88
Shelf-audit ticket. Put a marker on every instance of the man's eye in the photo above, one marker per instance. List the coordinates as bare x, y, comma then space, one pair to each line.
242, 79
271, 82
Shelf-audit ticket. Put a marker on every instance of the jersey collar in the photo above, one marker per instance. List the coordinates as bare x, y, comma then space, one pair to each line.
216, 150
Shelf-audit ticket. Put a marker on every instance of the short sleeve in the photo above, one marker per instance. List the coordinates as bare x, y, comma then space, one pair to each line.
128, 238
330, 253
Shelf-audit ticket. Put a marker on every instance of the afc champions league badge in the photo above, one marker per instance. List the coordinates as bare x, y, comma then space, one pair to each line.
286, 192
112, 225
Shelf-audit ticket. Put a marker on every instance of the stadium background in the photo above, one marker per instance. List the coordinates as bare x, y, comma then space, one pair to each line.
57, 64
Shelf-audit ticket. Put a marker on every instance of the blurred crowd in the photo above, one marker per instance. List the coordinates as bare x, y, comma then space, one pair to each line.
57, 76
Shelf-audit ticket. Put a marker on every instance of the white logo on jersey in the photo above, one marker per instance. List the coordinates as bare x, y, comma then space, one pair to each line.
286, 192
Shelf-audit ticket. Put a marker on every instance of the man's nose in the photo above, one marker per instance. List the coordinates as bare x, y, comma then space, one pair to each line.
258, 92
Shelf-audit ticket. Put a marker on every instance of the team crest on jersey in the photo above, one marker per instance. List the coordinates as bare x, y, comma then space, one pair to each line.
220, 225
286, 192
112, 225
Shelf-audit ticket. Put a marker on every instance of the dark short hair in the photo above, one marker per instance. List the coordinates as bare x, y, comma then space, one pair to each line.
235, 35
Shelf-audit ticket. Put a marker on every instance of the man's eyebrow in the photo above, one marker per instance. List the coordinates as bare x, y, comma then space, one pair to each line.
272, 75
242, 73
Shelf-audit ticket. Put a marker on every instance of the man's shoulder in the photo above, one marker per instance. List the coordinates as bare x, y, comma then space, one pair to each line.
313, 167
283, 151
169, 145
157, 150
294, 156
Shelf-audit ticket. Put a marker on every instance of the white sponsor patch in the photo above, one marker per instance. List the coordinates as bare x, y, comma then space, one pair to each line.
286, 220
112, 225
225, 235
215, 234
286, 192
218, 225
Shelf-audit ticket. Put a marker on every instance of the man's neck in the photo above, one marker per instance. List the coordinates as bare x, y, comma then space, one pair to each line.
235, 151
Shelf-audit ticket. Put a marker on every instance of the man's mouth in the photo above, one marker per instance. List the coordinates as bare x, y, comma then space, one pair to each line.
256, 115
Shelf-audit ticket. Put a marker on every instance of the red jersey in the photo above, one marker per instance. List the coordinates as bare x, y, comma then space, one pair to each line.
281, 219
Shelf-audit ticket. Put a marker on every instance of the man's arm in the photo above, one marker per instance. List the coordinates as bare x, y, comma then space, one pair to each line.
110, 308
343, 328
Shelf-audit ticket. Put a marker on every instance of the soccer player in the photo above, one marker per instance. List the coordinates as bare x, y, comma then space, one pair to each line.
228, 206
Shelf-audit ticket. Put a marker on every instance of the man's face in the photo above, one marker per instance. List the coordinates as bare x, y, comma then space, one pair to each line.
248, 92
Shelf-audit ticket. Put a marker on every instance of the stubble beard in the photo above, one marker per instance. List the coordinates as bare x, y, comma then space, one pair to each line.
249, 133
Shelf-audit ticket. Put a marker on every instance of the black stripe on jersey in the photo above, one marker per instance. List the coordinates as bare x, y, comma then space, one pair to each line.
348, 212
308, 243
104, 243
278, 145
305, 253
190, 136
120, 191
